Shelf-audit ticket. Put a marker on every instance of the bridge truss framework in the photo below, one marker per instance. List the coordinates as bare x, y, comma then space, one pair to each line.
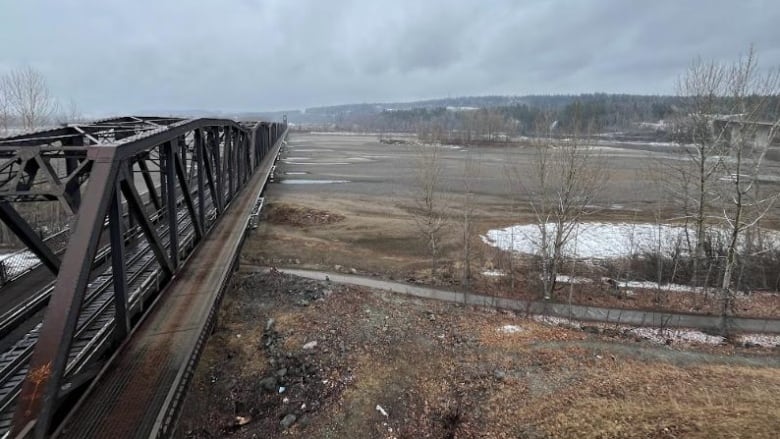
142, 193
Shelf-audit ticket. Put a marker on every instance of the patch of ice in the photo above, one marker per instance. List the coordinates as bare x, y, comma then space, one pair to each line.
565, 279
595, 240
557, 321
289, 162
745, 178
510, 329
300, 181
662, 335
665, 335
767, 341
677, 288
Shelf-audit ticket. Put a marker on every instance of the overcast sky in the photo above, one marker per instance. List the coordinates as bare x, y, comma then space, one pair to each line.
138, 55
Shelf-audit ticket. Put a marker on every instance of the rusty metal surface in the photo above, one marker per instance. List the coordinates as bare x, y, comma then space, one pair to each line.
139, 394
91, 170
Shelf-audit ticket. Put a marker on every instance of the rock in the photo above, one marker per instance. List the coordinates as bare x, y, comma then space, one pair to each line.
353, 271
281, 372
269, 324
338, 267
310, 345
288, 420
499, 374
269, 384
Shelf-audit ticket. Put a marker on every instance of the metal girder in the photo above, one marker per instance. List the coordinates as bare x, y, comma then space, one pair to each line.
199, 164
136, 209
208, 167
215, 154
187, 194
37, 398
195, 156
147, 176
170, 149
27, 235
118, 271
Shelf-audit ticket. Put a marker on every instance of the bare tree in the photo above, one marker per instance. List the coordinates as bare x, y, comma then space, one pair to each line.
29, 97
430, 202
702, 89
750, 93
471, 175
5, 108
567, 175
69, 112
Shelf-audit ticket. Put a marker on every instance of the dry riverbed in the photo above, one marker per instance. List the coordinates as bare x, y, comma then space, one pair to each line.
300, 358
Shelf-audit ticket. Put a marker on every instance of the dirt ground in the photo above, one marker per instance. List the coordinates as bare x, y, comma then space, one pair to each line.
368, 228
300, 358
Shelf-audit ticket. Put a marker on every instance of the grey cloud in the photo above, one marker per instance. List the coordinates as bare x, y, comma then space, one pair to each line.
113, 56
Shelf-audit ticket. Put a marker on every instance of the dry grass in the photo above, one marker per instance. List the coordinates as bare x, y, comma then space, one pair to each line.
441, 370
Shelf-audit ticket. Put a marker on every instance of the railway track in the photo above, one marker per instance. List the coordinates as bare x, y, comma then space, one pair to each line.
51, 358
96, 321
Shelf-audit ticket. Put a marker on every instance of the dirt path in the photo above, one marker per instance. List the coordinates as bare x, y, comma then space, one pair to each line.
577, 312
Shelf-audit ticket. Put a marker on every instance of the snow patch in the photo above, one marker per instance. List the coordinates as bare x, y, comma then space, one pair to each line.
299, 181
664, 335
493, 273
595, 240
767, 341
564, 279
510, 329
314, 163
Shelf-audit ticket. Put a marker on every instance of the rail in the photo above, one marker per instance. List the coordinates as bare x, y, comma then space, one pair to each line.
191, 170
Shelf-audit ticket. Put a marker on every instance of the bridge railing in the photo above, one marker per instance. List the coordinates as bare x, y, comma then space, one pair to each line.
190, 170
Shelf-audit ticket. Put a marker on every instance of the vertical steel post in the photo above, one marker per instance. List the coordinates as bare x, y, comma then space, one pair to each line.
200, 171
228, 159
118, 272
216, 151
169, 149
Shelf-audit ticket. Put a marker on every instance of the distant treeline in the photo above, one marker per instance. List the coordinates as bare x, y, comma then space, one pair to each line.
506, 115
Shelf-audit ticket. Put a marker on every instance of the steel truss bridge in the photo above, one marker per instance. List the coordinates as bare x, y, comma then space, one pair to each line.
104, 312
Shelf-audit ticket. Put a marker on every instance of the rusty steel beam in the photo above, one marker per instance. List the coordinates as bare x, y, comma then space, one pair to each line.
37, 399
136, 209
118, 271
169, 151
195, 156
186, 193
199, 164
28, 236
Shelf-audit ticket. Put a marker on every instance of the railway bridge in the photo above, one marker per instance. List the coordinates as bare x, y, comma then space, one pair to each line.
130, 228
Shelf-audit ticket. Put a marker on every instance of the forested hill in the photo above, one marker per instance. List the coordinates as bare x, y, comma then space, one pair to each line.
606, 111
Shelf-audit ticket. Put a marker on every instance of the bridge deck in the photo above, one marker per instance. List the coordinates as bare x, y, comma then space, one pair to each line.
137, 395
